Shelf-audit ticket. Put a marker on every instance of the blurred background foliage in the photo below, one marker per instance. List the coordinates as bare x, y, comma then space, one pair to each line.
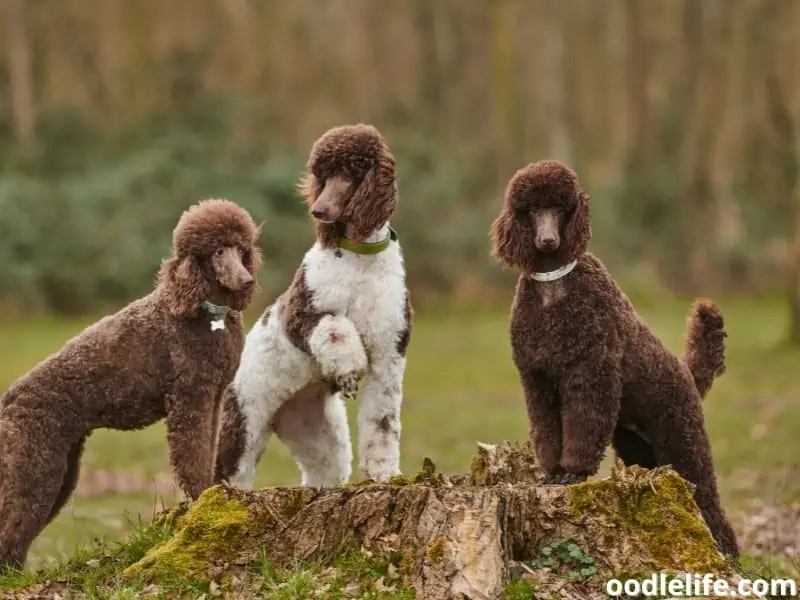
680, 116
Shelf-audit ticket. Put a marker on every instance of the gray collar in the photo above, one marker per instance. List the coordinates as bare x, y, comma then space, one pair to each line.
555, 275
214, 310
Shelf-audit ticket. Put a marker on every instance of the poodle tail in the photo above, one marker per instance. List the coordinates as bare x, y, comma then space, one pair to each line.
705, 344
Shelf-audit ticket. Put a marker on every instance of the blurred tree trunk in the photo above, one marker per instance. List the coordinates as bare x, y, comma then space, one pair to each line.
641, 154
20, 70
727, 143
556, 74
242, 22
504, 84
794, 290
694, 93
429, 81
780, 79
785, 125
112, 37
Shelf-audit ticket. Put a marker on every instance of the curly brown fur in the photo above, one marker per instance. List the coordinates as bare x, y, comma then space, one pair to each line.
358, 157
156, 358
705, 344
593, 372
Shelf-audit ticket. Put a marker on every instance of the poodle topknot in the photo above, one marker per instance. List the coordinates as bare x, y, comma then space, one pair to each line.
349, 185
210, 224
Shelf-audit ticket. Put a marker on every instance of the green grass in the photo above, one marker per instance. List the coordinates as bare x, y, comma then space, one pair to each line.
461, 386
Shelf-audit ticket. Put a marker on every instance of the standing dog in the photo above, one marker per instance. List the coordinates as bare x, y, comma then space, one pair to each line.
345, 314
593, 372
170, 354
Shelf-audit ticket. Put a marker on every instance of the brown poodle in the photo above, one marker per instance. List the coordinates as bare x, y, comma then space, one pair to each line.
169, 354
592, 371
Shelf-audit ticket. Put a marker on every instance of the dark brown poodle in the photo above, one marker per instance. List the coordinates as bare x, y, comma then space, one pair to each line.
592, 371
169, 354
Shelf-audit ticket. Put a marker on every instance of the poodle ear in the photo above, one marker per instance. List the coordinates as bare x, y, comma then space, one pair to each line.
578, 230
256, 260
256, 257
183, 285
510, 238
307, 188
372, 203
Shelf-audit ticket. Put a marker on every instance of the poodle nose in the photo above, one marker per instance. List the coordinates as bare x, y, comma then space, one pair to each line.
318, 214
548, 243
247, 282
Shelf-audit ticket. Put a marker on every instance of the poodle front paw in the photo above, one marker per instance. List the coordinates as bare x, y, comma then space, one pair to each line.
379, 471
572, 478
347, 384
554, 477
341, 356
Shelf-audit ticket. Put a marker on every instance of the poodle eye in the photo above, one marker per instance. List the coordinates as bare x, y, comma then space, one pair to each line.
246, 256
220, 251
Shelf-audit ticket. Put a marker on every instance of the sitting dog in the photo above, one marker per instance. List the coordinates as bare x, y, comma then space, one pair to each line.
170, 354
593, 372
346, 314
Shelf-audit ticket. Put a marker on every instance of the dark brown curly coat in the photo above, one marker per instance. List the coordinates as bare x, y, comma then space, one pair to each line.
358, 157
157, 357
593, 372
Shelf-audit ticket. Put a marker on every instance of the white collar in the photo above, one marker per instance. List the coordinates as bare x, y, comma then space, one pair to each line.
557, 274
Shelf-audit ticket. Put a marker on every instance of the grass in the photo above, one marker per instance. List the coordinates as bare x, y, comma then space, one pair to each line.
461, 387
356, 574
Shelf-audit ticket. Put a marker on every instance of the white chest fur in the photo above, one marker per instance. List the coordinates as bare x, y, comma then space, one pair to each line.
369, 289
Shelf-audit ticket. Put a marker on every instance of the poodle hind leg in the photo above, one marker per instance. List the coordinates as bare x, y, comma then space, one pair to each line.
245, 428
235, 462
313, 425
70, 481
632, 448
31, 481
681, 441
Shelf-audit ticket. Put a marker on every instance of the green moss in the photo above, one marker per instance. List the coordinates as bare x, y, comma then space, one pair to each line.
673, 510
401, 480
478, 470
428, 475
214, 529
436, 550
521, 589
171, 517
660, 513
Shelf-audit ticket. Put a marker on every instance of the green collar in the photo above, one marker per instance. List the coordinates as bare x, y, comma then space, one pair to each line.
367, 247
214, 310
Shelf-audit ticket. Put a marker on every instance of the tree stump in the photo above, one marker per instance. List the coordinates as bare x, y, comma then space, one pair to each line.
461, 536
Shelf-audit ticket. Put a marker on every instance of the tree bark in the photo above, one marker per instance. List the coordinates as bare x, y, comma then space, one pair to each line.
459, 536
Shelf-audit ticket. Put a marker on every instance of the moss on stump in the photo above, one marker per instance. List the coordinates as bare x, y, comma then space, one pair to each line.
456, 534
